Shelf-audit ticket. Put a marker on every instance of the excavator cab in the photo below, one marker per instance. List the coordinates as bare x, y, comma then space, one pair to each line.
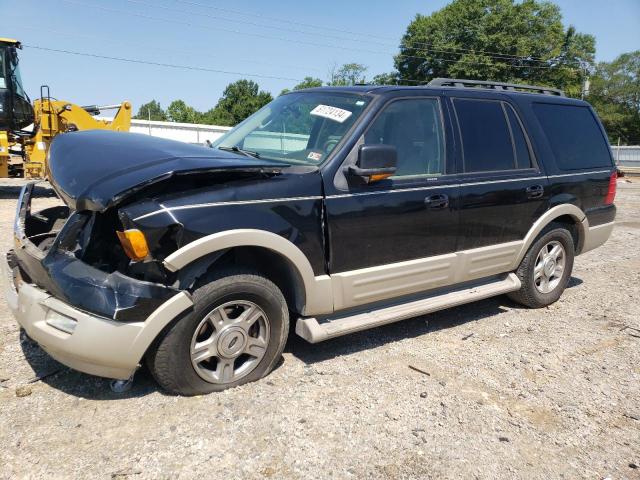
16, 111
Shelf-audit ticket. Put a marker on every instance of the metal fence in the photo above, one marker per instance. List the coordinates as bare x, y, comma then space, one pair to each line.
627, 157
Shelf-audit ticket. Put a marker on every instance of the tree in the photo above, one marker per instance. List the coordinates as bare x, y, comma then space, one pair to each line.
615, 94
151, 109
239, 100
179, 111
390, 78
347, 74
500, 40
308, 82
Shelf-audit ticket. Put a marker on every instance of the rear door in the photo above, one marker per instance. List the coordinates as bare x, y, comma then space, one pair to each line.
502, 190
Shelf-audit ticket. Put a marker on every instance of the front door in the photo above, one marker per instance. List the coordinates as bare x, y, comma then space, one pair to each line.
382, 235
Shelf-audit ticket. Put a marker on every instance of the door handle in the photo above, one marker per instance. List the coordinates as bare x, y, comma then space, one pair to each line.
535, 191
437, 202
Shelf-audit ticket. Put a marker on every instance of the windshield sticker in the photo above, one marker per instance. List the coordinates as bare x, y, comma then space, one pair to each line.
332, 113
315, 156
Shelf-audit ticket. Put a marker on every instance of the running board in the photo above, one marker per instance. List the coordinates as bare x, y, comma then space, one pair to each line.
313, 331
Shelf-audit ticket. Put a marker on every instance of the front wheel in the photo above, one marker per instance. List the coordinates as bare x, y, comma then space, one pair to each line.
546, 268
234, 335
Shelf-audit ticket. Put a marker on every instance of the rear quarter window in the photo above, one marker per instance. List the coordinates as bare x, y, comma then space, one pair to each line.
574, 136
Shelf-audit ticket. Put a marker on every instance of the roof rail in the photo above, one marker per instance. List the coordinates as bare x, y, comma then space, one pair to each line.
513, 87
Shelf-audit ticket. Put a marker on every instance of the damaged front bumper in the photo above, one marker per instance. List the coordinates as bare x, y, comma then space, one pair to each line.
90, 320
111, 295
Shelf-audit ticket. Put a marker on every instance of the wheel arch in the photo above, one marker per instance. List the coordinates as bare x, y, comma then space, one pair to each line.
565, 213
311, 294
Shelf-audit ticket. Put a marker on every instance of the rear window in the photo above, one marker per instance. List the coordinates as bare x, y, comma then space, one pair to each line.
574, 136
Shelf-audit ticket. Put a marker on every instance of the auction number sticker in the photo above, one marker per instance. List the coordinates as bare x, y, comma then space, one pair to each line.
332, 113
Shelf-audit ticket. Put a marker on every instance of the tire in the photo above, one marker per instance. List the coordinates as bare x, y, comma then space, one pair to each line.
235, 334
534, 293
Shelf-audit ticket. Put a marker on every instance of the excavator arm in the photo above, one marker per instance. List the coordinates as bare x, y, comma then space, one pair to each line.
49, 117
53, 117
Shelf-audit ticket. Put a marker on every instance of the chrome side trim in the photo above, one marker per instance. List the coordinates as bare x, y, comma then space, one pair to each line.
168, 210
580, 173
433, 187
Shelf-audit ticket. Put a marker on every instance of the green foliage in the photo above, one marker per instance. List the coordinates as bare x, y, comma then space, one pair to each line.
153, 110
615, 94
347, 74
308, 82
390, 78
478, 39
239, 100
179, 111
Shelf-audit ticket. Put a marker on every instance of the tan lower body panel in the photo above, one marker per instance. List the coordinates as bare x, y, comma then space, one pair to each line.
368, 285
98, 346
596, 236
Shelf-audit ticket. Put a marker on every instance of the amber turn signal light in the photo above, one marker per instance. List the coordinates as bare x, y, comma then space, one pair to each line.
376, 177
134, 244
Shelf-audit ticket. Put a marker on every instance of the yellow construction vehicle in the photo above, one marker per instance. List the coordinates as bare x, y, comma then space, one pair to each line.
47, 117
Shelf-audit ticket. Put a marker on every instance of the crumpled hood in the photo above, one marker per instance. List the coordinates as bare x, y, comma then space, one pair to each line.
96, 169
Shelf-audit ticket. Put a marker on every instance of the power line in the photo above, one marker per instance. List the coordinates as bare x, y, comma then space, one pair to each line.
155, 48
404, 44
288, 40
160, 64
287, 21
176, 66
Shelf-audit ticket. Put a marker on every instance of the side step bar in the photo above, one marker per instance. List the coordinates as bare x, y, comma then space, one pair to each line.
313, 331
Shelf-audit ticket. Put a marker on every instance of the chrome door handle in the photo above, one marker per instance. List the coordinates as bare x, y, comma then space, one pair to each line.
535, 191
437, 202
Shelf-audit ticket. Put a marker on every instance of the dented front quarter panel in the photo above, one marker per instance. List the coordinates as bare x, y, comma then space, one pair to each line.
289, 205
111, 295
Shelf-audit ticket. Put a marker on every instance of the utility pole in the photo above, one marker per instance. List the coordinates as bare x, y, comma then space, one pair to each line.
586, 84
149, 117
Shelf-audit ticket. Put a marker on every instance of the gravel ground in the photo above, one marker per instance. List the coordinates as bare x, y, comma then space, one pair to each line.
488, 390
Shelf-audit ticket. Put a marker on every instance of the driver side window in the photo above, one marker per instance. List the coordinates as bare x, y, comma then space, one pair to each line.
414, 127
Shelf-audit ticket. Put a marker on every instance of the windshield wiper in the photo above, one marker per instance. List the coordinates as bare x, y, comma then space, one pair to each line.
236, 149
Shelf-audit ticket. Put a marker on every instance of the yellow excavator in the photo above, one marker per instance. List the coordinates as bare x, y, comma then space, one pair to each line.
27, 130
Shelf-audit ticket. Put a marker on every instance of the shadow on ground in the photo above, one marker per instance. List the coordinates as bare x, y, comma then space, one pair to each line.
57, 376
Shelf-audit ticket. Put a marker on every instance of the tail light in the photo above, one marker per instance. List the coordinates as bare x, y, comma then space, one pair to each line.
611, 192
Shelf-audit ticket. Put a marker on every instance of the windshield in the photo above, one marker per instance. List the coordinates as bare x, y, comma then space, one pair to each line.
10, 72
301, 128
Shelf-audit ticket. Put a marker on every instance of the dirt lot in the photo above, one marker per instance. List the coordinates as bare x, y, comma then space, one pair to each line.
507, 393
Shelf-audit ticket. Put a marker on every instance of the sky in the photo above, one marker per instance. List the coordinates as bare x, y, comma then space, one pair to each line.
280, 42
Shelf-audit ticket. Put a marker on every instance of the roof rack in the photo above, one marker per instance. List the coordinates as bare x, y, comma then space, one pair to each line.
513, 87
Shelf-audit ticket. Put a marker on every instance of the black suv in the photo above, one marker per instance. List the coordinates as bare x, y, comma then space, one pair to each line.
339, 208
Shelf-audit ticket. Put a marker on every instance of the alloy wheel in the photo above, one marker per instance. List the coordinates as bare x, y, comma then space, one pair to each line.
229, 342
549, 266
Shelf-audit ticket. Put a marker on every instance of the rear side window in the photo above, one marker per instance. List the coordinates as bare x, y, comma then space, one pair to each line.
523, 157
574, 136
492, 136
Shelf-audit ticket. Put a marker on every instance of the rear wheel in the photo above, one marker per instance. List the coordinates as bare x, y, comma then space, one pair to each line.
546, 268
234, 335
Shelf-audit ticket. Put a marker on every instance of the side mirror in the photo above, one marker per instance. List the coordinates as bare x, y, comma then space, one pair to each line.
375, 162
